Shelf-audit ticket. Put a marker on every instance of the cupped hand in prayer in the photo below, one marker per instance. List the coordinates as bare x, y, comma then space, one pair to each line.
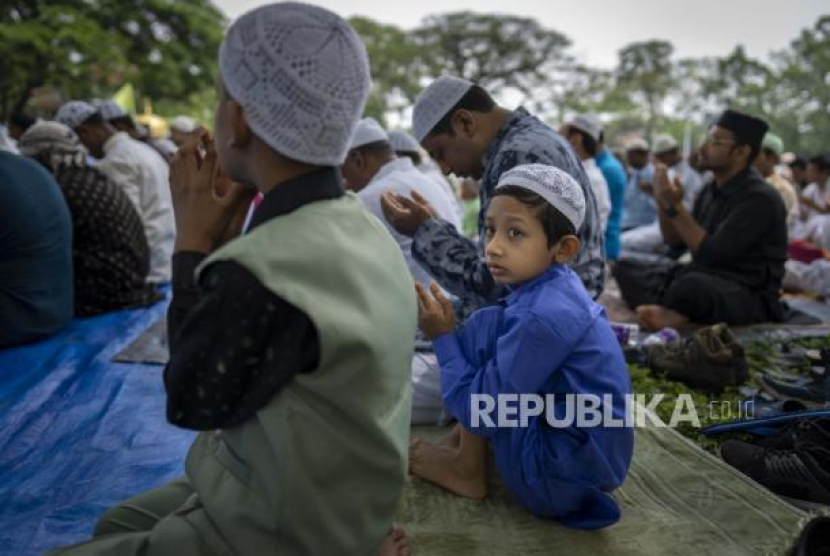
667, 192
435, 313
206, 203
406, 214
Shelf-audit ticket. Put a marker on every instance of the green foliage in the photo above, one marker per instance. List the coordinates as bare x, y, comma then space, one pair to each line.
89, 48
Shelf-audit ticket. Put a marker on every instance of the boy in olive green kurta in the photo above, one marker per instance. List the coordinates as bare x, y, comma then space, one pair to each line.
291, 348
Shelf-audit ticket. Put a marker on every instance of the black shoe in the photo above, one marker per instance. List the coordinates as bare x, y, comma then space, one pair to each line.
710, 360
812, 431
814, 539
800, 475
814, 393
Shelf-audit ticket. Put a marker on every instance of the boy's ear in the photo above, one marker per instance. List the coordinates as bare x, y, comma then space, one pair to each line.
565, 249
241, 133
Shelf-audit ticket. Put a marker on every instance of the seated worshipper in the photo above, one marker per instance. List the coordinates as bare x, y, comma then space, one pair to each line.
639, 205
180, 129
406, 145
814, 201
19, 123
35, 253
771, 149
616, 178
371, 168
648, 239
798, 170
467, 133
583, 132
140, 172
546, 338
110, 255
121, 120
737, 235
290, 345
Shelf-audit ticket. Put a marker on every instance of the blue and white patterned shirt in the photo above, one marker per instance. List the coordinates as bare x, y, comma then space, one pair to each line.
457, 263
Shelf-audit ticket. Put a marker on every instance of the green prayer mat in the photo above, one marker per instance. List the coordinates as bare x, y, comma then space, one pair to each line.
676, 500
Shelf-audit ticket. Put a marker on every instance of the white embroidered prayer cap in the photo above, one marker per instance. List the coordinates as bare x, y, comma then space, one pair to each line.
664, 143
74, 113
301, 75
402, 142
368, 130
587, 123
552, 184
435, 102
108, 109
185, 124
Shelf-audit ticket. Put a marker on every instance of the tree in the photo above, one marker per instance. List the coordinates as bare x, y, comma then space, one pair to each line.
396, 63
89, 48
496, 51
644, 70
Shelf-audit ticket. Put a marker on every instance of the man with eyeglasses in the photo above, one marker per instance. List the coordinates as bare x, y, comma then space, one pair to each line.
736, 232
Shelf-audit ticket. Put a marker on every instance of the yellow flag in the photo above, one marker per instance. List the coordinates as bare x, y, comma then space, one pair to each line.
125, 98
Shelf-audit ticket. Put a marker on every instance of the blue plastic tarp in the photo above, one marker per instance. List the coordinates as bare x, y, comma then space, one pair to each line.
79, 432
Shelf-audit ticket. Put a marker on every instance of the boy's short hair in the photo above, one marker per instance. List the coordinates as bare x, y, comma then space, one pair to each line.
475, 100
555, 224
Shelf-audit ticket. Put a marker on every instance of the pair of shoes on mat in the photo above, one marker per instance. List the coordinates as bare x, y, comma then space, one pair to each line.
813, 393
794, 464
814, 539
711, 359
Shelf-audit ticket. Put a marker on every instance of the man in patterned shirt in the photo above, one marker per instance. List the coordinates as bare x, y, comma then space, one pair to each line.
467, 133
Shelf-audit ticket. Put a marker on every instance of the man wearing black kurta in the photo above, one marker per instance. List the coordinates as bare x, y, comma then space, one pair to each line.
736, 232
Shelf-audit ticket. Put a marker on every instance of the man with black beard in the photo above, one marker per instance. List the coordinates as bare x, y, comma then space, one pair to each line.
736, 232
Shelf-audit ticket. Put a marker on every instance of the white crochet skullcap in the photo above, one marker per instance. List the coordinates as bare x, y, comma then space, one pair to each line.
587, 123
402, 142
74, 113
552, 184
435, 101
185, 124
109, 109
664, 143
301, 75
368, 130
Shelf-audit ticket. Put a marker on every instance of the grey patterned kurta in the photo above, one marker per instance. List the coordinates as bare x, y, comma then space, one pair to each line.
457, 263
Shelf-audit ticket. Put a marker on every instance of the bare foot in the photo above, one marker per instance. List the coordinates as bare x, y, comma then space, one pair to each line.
395, 544
444, 467
655, 317
452, 440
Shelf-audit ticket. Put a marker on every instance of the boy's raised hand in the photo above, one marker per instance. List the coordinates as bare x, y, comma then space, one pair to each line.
204, 201
435, 313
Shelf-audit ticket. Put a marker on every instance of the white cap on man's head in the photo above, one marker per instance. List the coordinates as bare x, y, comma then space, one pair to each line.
555, 186
664, 143
301, 74
587, 123
402, 142
185, 124
74, 113
435, 102
368, 130
637, 144
109, 109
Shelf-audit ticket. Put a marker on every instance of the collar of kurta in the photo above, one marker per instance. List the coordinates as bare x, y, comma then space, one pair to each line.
319, 185
517, 290
117, 138
732, 186
495, 145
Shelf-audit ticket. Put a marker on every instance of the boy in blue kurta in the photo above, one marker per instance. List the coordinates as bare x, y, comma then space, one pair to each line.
546, 337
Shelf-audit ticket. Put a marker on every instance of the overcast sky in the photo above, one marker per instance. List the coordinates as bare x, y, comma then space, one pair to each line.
598, 29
